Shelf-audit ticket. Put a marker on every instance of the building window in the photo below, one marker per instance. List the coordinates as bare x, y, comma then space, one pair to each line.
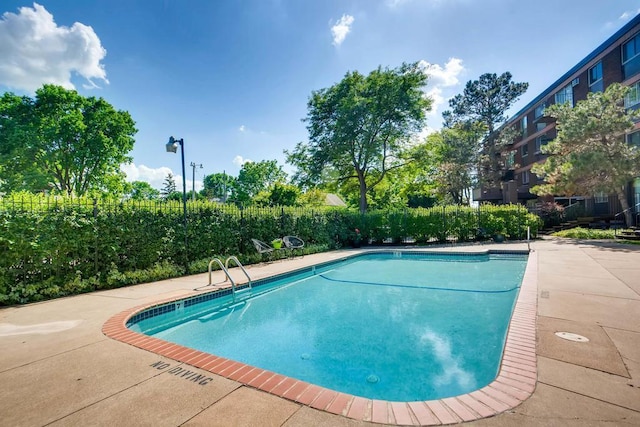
540, 126
596, 84
631, 57
525, 177
524, 150
565, 95
523, 126
601, 197
510, 161
632, 97
539, 111
636, 194
634, 138
541, 141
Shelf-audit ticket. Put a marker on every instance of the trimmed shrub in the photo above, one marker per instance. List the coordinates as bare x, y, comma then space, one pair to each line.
57, 246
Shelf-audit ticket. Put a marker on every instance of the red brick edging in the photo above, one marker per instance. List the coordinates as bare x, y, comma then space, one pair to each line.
515, 382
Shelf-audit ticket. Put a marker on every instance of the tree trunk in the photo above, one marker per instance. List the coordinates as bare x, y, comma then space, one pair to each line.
622, 197
363, 192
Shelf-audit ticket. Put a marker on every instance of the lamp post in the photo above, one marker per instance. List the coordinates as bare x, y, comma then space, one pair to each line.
193, 180
224, 178
172, 147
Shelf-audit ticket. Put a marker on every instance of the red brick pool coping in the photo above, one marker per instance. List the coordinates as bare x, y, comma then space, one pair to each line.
515, 382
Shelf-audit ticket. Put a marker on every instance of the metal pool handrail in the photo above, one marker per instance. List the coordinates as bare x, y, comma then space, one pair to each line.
223, 268
239, 264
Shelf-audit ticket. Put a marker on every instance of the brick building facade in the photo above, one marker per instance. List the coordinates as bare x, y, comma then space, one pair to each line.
615, 60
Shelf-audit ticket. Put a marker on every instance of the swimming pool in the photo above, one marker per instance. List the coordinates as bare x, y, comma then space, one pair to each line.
395, 326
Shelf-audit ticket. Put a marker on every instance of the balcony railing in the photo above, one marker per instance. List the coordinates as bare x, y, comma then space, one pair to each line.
487, 194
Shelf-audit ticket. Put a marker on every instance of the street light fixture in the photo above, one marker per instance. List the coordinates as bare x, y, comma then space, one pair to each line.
172, 147
193, 180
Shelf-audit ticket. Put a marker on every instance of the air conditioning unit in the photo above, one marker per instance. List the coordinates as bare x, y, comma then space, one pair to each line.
575, 82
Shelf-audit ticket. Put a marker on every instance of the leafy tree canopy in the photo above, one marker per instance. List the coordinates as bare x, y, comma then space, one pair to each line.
169, 186
454, 155
360, 127
255, 177
313, 197
590, 153
63, 141
484, 102
279, 194
142, 190
218, 186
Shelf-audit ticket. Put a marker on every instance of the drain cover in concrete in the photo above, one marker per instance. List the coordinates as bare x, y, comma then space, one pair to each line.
572, 337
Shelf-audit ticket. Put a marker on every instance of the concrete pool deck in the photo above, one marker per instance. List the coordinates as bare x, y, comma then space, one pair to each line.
58, 368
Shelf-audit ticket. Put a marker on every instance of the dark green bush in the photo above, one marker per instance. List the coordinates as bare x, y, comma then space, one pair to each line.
586, 233
53, 247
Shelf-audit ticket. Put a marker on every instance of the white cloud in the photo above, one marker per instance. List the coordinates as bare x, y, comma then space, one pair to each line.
239, 160
441, 77
436, 99
155, 177
398, 3
35, 50
395, 3
625, 16
341, 28
241, 128
447, 76
628, 14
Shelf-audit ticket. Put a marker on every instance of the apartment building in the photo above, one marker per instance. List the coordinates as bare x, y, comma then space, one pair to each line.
615, 60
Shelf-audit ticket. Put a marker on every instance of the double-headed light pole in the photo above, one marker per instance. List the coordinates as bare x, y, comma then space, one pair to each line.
172, 147
193, 180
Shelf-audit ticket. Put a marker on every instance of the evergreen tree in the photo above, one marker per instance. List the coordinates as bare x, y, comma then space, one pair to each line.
169, 186
484, 102
590, 153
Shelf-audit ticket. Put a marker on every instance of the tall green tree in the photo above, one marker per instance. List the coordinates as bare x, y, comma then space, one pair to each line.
63, 141
313, 197
168, 187
453, 154
590, 153
142, 190
485, 102
359, 129
218, 186
279, 194
255, 177
18, 169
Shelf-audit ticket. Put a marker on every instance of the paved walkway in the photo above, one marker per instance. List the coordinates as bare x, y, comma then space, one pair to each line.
57, 368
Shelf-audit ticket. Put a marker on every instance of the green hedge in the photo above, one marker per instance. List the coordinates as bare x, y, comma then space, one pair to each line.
52, 247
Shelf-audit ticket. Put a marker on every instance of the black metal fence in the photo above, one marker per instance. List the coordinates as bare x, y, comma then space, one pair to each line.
53, 246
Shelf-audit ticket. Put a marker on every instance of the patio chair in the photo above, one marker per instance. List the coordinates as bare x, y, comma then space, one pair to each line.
263, 248
292, 243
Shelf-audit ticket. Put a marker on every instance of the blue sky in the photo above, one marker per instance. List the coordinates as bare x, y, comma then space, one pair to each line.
233, 77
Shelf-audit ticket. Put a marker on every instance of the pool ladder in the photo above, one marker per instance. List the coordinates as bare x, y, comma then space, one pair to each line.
225, 268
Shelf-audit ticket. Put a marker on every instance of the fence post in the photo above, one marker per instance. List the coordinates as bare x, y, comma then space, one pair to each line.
445, 234
404, 226
242, 226
95, 234
518, 213
282, 232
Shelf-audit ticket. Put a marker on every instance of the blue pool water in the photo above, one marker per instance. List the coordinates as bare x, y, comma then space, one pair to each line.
391, 326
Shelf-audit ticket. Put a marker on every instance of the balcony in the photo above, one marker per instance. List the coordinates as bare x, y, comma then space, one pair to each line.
525, 194
487, 194
509, 175
544, 119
